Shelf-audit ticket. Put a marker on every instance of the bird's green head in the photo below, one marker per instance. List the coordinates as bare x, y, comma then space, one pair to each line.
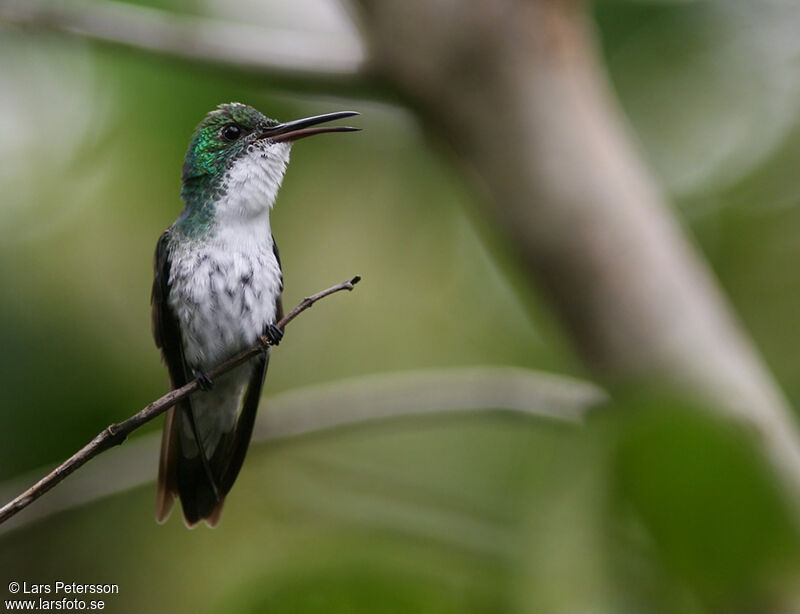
223, 136
237, 136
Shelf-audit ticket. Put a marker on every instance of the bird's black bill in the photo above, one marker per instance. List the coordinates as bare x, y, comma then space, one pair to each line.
308, 126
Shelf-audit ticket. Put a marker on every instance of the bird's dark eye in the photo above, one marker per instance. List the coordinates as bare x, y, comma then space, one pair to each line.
231, 132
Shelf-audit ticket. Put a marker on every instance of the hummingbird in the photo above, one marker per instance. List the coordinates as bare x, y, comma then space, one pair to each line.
217, 290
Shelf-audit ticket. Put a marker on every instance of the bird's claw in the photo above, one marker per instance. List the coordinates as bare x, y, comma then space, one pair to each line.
205, 382
273, 334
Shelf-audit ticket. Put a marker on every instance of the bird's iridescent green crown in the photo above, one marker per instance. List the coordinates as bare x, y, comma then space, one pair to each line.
217, 140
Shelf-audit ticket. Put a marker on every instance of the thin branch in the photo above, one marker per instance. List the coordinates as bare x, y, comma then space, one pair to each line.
115, 434
238, 48
346, 403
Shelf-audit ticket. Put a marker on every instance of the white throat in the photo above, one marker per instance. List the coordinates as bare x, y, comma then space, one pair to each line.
251, 186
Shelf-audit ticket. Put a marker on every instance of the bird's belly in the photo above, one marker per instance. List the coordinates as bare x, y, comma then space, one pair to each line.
223, 300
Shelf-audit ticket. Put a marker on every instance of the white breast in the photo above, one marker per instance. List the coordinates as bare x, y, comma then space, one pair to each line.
223, 297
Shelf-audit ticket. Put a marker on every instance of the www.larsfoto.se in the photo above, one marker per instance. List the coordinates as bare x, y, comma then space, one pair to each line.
65, 603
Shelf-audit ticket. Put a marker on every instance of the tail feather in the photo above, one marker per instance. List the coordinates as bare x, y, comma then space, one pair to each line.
184, 475
167, 488
197, 494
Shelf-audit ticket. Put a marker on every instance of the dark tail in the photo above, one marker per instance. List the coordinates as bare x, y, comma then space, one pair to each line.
201, 484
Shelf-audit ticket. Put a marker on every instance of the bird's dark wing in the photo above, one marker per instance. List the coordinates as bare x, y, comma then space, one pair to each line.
165, 326
168, 339
229, 458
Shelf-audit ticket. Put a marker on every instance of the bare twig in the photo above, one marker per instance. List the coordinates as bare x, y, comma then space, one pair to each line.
115, 434
242, 49
324, 407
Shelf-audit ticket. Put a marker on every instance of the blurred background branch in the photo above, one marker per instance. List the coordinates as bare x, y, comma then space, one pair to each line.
516, 90
254, 52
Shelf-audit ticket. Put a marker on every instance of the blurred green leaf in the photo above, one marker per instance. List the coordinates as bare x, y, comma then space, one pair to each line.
710, 501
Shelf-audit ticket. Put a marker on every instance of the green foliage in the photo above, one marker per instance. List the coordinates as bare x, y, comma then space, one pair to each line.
709, 501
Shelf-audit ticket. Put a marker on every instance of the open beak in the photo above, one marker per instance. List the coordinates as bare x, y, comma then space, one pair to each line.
301, 128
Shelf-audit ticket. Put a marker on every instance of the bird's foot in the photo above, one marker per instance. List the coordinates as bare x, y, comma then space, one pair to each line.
205, 382
273, 334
